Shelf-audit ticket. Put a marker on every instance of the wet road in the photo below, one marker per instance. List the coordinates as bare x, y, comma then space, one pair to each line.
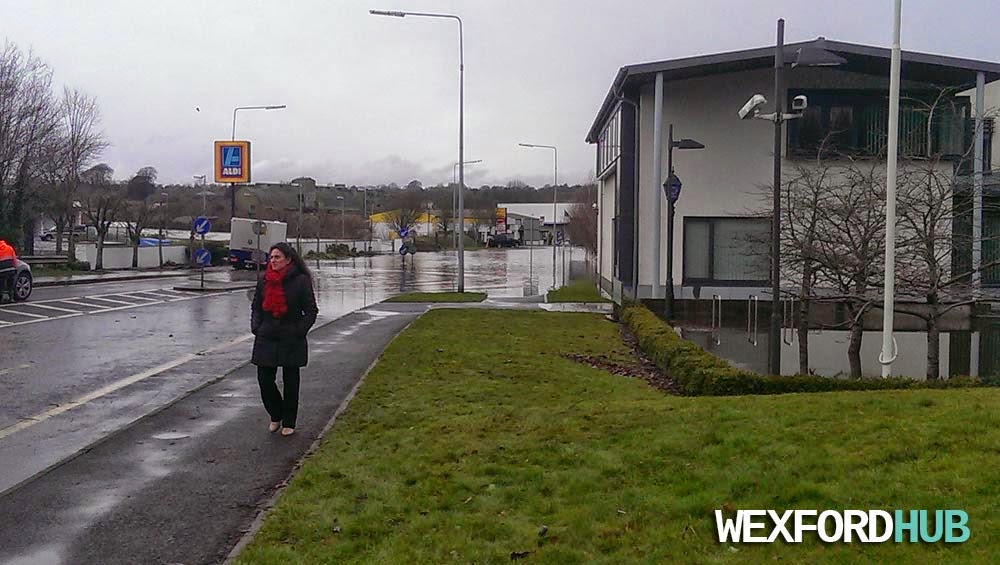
115, 401
80, 362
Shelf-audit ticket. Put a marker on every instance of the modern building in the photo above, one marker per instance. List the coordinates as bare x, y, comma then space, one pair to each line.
543, 226
721, 232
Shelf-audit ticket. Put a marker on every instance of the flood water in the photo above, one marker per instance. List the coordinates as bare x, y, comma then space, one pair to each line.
975, 352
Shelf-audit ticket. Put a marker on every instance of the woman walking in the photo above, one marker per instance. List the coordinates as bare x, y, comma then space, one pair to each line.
284, 308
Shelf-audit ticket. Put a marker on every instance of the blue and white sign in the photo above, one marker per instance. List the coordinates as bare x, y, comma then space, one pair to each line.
202, 225
203, 257
402, 250
404, 232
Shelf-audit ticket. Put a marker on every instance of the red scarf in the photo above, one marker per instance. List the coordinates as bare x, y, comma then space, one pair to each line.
274, 292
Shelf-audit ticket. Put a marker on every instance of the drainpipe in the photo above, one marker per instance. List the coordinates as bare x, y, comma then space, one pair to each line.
655, 180
977, 185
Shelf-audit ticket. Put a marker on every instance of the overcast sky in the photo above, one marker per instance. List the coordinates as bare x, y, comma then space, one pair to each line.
375, 99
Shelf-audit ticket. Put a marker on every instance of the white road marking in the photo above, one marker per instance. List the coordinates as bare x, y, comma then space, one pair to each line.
111, 300
100, 308
117, 385
138, 296
12, 311
12, 369
78, 303
47, 307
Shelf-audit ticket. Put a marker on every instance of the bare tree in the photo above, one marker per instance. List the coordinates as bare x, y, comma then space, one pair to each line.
78, 143
582, 227
102, 204
849, 244
27, 119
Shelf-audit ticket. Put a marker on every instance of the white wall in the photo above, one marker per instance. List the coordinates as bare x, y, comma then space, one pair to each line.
608, 190
120, 257
718, 180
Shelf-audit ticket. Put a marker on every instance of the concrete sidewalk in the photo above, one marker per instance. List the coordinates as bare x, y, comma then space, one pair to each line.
182, 484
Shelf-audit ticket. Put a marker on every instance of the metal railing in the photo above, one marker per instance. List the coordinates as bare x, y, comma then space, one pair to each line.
788, 321
717, 318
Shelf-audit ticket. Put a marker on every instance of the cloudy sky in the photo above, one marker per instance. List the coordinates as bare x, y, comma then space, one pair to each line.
375, 99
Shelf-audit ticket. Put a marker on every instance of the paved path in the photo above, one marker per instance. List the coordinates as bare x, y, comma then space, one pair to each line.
179, 485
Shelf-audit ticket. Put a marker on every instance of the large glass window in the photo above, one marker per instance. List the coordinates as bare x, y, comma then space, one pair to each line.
608, 143
726, 250
856, 123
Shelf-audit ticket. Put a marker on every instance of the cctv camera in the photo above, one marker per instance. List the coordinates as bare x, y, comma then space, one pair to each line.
752, 106
799, 103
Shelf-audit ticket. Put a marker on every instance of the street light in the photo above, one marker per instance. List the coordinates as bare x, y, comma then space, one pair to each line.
806, 56
555, 190
232, 187
343, 231
203, 191
163, 219
672, 187
461, 125
454, 198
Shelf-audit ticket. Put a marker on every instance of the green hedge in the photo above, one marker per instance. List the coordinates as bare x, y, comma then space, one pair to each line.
699, 373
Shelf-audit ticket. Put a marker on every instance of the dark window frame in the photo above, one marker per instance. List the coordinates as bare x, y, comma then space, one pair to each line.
711, 280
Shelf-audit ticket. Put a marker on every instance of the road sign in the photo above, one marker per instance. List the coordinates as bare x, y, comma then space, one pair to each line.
232, 161
203, 257
202, 225
501, 220
404, 232
259, 228
402, 250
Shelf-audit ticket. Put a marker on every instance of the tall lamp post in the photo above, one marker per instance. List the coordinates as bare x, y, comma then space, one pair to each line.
461, 125
805, 57
298, 228
673, 189
343, 230
165, 202
460, 230
232, 186
555, 191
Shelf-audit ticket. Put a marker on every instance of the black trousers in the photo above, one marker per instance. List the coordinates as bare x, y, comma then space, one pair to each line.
281, 409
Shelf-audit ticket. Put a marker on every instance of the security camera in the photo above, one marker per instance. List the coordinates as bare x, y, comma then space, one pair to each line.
800, 103
752, 106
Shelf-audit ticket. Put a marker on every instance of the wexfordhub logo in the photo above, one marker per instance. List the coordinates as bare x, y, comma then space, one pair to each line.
849, 526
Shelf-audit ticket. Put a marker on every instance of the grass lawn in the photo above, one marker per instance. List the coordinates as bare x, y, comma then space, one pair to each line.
460, 451
579, 291
438, 297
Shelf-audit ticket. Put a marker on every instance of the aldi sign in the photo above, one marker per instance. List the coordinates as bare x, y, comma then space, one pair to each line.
232, 161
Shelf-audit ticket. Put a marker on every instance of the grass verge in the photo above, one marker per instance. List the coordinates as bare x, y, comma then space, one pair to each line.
438, 297
579, 291
464, 449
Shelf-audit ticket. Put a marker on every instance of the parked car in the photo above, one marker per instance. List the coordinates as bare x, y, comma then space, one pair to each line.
22, 281
502, 240
79, 232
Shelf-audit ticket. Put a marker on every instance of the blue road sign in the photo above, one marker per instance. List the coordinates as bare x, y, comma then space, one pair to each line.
404, 232
203, 257
202, 225
402, 250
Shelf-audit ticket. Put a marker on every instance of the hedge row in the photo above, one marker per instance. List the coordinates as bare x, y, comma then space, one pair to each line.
699, 373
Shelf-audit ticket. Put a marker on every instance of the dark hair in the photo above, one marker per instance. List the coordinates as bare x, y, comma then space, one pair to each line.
293, 256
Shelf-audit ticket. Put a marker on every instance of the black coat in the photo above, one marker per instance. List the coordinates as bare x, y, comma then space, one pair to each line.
281, 342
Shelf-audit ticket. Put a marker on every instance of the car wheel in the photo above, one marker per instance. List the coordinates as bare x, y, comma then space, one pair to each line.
22, 287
